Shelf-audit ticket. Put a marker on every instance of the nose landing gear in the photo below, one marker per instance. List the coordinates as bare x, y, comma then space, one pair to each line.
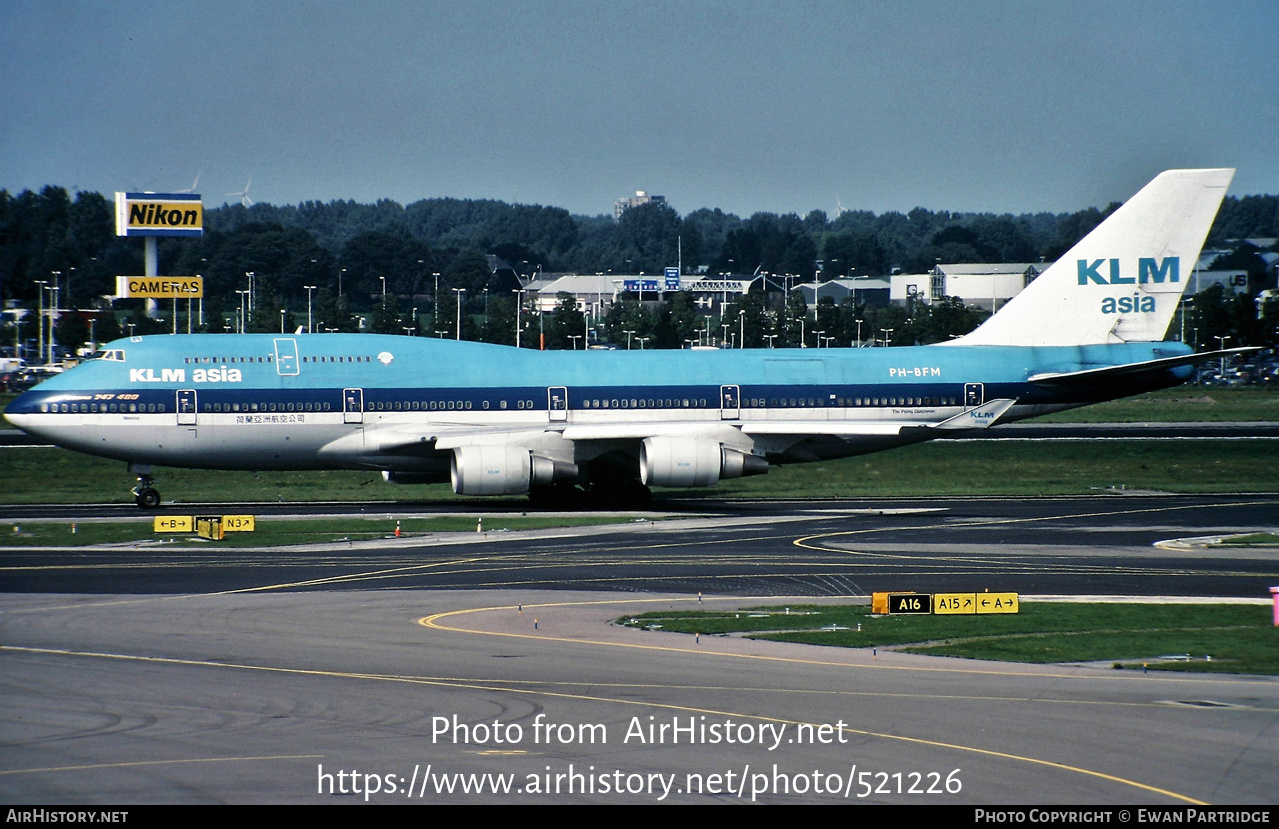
145, 493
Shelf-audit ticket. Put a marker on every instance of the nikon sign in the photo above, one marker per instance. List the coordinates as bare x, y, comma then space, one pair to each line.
159, 287
158, 214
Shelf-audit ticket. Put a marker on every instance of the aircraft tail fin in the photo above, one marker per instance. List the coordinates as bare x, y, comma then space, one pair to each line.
1121, 282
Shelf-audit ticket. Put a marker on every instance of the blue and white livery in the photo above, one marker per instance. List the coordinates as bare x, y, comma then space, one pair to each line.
497, 420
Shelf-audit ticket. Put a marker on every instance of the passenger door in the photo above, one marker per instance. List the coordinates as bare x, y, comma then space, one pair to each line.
286, 357
730, 402
352, 405
186, 407
557, 403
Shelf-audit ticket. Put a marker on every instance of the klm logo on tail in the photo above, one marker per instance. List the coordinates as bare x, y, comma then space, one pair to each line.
1169, 270
1149, 270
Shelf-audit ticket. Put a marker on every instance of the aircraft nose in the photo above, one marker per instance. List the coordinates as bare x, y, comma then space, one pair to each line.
22, 411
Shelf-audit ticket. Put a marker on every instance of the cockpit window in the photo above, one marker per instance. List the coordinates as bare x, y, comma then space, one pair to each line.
115, 355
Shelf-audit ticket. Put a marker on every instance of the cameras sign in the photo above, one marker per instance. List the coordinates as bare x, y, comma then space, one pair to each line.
158, 214
159, 287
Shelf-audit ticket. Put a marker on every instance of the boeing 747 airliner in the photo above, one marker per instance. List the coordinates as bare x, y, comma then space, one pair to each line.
497, 420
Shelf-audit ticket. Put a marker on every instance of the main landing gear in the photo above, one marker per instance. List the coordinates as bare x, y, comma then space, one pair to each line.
145, 493
612, 495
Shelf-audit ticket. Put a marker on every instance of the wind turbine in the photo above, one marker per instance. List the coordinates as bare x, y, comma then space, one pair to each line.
839, 207
244, 194
194, 184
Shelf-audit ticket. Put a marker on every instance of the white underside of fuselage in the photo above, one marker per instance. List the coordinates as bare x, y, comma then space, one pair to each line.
407, 441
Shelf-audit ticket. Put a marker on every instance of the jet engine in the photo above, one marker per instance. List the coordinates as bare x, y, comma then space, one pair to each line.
686, 462
503, 470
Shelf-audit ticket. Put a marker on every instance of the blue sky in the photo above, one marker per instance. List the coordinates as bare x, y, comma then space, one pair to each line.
775, 106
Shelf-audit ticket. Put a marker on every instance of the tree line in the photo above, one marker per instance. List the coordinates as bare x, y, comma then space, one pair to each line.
402, 269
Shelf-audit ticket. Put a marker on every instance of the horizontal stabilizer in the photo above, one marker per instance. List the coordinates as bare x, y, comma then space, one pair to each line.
980, 417
1068, 378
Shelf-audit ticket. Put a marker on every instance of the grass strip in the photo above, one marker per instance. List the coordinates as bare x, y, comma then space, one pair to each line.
940, 468
1211, 638
1250, 540
273, 533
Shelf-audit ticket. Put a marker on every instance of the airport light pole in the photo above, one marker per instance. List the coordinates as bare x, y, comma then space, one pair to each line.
519, 301
309, 289
53, 318
282, 313
435, 300
40, 283
459, 292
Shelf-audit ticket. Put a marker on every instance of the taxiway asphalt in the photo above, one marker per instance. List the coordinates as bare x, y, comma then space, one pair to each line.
164, 675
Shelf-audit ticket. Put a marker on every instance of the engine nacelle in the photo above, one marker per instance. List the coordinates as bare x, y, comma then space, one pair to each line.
687, 462
503, 470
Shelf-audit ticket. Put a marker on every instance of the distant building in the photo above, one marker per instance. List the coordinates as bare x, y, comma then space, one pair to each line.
711, 293
864, 290
640, 197
986, 285
1234, 282
595, 293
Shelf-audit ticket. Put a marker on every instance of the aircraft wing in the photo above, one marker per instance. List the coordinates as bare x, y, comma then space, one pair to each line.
451, 436
977, 418
443, 437
1068, 378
